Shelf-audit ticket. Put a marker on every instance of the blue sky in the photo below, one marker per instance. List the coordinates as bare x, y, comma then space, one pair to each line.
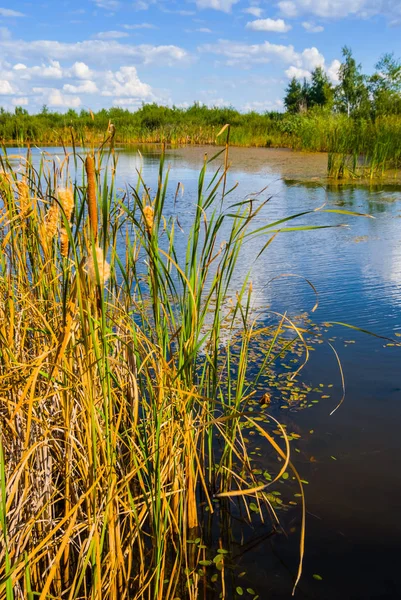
102, 53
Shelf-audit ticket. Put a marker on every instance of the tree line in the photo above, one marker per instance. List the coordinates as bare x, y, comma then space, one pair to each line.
357, 94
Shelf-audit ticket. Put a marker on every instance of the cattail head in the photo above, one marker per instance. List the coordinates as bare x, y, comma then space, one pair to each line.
23, 196
92, 204
102, 266
51, 222
148, 214
64, 242
66, 198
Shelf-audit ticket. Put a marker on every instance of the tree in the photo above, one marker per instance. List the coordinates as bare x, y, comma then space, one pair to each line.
385, 86
293, 97
352, 93
20, 111
320, 90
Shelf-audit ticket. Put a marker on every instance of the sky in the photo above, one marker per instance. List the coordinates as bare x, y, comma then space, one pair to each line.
93, 54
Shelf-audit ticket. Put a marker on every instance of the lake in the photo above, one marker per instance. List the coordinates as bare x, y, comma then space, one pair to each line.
352, 459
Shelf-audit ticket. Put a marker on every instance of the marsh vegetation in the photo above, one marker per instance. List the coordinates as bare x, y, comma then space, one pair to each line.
128, 382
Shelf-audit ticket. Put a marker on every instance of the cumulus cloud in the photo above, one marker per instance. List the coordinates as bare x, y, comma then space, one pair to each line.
80, 70
5, 88
298, 73
223, 5
312, 28
85, 87
126, 83
63, 85
333, 72
300, 64
276, 25
52, 70
55, 98
7, 12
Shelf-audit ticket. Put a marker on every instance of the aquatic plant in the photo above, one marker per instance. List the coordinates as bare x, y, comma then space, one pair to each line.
125, 381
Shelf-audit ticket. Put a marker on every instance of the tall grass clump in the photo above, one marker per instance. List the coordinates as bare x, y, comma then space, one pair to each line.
124, 377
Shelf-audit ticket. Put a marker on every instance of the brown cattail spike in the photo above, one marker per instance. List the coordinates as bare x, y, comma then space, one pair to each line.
92, 204
24, 200
51, 222
148, 214
66, 198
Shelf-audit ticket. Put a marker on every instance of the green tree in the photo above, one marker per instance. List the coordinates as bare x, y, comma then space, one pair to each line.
320, 90
293, 96
352, 93
385, 86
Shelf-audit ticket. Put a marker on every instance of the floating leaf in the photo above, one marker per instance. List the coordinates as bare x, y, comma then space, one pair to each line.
317, 577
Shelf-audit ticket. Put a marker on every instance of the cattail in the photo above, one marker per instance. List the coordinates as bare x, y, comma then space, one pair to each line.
64, 242
92, 204
102, 266
51, 222
23, 194
148, 214
66, 197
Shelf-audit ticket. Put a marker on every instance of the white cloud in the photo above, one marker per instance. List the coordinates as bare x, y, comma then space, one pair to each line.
333, 72
85, 87
298, 73
5, 88
7, 12
20, 101
80, 70
98, 52
140, 26
262, 106
52, 70
108, 4
239, 53
204, 30
312, 58
255, 11
126, 83
276, 25
54, 97
143, 4
312, 28
223, 5
336, 9
110, 35
288, 8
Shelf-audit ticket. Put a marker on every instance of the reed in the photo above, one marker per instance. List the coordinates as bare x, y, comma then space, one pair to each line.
126, 381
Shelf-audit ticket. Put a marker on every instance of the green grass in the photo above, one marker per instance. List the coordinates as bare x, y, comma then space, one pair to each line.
126, 384
360, 147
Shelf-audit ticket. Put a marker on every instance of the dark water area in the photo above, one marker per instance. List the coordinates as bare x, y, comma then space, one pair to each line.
351, 459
